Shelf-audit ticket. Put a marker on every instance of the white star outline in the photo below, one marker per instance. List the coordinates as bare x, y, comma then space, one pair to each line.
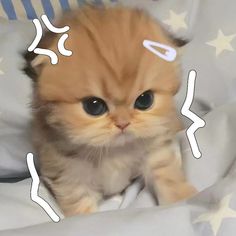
216, 215
222, 42
176, 21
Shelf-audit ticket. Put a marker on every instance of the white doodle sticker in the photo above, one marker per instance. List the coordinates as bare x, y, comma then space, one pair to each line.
38, 37
197, 121
35, 187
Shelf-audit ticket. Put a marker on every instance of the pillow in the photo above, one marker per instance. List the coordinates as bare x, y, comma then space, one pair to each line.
15, 140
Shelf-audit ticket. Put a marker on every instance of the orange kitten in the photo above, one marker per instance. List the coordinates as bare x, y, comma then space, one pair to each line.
106, 114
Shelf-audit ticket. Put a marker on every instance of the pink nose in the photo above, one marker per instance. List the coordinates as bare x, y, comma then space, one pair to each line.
122, 126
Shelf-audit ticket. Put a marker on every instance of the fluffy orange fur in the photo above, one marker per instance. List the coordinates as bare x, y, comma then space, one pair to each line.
84, 158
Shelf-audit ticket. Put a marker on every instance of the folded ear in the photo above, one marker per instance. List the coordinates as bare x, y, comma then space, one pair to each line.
177, 41
34, 62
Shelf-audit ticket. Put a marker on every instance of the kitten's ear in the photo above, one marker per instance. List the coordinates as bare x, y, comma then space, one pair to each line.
34, 63
177, 41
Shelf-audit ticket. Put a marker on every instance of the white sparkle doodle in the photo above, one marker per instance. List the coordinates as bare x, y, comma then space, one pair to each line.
197, 121
39, 34
35, 187
170, 53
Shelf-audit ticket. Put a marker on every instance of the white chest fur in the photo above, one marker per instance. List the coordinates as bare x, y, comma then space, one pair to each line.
113, 173
117, 172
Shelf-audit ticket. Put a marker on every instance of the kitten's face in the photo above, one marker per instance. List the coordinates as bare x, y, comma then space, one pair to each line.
112, 90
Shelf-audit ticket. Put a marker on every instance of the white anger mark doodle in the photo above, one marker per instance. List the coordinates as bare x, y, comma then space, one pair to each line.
61, 46
169, 55
197, 121
47, 52
53, 28
39, 34
34, 190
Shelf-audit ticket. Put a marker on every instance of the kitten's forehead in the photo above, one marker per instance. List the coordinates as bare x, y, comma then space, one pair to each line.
120, 85
108, 59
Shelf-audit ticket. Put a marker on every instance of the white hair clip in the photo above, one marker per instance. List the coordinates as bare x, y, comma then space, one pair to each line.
169, 55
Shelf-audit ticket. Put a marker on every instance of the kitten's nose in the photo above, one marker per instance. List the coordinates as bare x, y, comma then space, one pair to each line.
122, 126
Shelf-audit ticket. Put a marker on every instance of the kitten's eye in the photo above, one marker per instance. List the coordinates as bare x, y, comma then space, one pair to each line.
94, 106
144, 101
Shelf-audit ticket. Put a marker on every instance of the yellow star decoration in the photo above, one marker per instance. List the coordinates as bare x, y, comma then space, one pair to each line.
217, 215
176, 21
222, 42
1, 72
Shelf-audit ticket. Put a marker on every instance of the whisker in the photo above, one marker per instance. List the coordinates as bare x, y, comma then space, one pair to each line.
100, 156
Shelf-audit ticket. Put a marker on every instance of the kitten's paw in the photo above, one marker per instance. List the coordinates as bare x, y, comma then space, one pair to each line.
185, 192
179, 193
86, 205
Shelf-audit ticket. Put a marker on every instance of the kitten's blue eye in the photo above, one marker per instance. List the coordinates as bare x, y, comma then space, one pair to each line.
144, 101
94, 106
